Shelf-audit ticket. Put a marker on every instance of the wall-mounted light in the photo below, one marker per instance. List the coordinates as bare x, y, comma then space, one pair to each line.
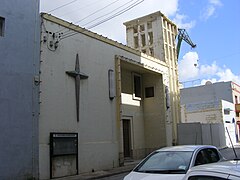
56, 44
51, 44
44, 39
167, 97
111, 84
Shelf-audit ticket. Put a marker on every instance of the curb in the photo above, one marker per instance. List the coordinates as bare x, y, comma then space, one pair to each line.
100, 174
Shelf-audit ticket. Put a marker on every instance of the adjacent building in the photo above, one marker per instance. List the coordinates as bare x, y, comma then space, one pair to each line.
212, 103
19, 70
236, 102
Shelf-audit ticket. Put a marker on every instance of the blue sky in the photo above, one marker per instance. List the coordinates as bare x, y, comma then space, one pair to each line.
213, 25
216, 32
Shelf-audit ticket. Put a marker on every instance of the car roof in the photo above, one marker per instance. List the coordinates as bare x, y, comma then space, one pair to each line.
185, 148
230, 166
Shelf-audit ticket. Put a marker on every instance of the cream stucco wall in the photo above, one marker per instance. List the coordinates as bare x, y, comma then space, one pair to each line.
163, 47
155, 113
98, 143
99, 138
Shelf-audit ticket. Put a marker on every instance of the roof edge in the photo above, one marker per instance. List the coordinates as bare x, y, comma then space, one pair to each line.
152, 15
86, 32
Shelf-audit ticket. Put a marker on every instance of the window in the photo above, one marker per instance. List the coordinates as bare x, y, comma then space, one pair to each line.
173, 40
143, 40
149, 25
135, 29
227, 111
236, 100
136, 42
207, 156
165, 35
170, 52
149, 92
166, 51
151, 51
164, 23
237, 114
169, 27
150, 38
169, 38
137, 86
142, 28
2, 26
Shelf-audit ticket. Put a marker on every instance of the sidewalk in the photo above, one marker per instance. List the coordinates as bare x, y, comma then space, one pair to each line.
101, 174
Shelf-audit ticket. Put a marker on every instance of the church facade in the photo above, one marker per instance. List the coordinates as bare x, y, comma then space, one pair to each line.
101, 102
73, 101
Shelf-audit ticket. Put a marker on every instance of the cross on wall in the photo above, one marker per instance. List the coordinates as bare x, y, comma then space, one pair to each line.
77, 75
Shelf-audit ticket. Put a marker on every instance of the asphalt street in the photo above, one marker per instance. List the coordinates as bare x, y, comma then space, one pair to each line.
229, 153
115, 177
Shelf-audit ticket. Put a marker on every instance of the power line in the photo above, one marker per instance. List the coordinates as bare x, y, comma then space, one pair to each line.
97, 11
106, 14
92, 14
106, 19
62, 6
86, 6
115, 15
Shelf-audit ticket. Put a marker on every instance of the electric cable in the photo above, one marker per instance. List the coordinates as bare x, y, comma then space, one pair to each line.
62, 6
106, 14
115, 15
97, 11
86, 6
106, 19
91, 14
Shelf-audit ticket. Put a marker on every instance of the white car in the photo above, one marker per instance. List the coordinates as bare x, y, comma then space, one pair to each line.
172, 163
215, 171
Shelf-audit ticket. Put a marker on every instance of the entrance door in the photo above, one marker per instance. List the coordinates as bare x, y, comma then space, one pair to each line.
126, 138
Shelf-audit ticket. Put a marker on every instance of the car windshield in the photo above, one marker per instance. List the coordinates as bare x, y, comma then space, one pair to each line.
169, 162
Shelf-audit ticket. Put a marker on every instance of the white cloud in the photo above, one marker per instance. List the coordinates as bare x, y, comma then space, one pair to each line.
179, 20
214, 73
227, 75
223, 75
188, 67
208, 70
215, 2
210, 10
169, 8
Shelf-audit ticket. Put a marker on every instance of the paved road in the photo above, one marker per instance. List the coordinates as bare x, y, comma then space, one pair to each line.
115, 177
228, 153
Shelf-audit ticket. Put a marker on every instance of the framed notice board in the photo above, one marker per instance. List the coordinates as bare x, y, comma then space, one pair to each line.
63, 154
